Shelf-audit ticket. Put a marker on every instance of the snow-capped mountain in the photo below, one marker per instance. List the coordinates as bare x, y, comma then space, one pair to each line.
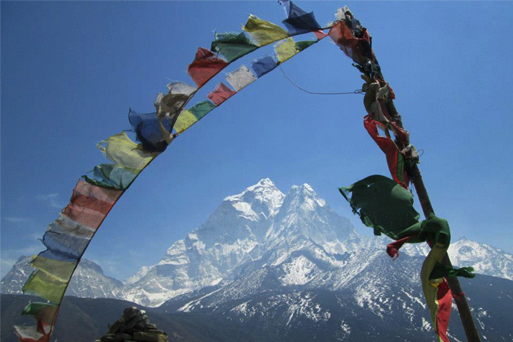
464, 252
288, 268
88, 281
263, 237
382, 302
258, 226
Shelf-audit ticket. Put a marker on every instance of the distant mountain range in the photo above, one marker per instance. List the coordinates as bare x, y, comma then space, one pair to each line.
284, 267
88, 281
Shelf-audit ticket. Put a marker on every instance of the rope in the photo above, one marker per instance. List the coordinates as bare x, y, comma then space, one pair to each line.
357, 91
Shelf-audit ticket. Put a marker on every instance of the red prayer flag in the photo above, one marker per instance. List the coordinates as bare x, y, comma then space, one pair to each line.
353, 47
205, 66
386, 144
220, 94
320, 34
89, 204
343, 37
99, 193
444, 298
30, 334
393, 248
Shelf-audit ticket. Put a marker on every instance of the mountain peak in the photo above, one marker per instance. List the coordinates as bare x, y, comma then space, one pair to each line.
263, 185
264, 192
305, 195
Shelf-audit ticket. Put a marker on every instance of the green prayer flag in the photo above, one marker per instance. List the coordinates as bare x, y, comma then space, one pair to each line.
232, 45
436, 229
443, 271
42, 312
112, 176
300, 46
383, 205
33, 308
201, 109
386, 206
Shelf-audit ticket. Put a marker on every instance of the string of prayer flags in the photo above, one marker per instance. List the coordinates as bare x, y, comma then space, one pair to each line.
263, 32
395, 159
220, 94
67, 238
232, 45
205, 66
240, 78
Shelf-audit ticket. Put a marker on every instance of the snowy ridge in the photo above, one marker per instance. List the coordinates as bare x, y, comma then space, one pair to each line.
88, 281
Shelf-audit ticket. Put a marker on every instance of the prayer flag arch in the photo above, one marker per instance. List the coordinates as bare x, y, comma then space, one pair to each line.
376, 199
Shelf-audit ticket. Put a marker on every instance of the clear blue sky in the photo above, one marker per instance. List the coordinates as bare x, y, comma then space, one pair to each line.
71, 70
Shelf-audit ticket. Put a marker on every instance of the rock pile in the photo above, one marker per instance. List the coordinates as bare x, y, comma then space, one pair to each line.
134, 326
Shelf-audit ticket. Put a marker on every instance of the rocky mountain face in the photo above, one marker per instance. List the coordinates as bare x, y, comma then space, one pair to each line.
87, 282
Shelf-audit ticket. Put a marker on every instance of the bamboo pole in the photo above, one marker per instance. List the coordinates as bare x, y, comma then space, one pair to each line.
454, 283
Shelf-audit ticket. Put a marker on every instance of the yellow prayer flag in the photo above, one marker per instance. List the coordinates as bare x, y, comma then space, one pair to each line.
44, 285
285, 49
60, 270
185, 120
124, 152
263, 32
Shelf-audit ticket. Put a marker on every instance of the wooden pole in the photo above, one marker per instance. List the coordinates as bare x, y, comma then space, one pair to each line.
454, 283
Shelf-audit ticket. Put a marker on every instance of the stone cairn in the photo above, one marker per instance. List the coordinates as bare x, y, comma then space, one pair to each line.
134, 326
